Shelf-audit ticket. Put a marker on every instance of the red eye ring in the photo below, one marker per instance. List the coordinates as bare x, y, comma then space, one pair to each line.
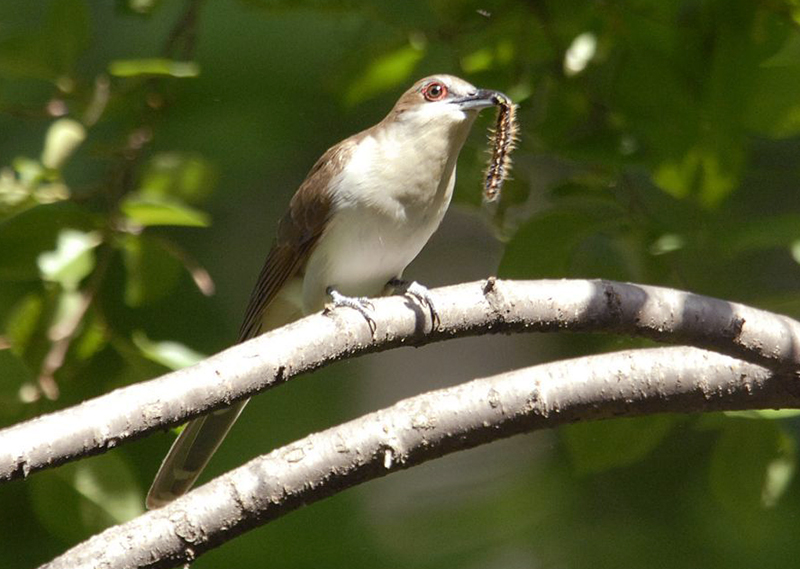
434, 91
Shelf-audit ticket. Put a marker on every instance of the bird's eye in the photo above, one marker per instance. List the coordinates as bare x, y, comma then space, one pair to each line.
434, 91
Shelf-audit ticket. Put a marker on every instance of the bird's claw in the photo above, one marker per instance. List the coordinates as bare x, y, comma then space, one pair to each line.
421, 294
361, 303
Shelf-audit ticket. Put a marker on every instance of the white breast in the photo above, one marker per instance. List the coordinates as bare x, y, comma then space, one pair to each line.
389, 199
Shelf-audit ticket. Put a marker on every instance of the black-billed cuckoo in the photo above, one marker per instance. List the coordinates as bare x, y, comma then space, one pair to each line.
364, 212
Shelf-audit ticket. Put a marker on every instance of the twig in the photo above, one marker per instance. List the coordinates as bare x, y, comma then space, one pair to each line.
185, 29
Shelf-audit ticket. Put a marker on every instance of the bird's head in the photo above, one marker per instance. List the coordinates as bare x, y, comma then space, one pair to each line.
442, 99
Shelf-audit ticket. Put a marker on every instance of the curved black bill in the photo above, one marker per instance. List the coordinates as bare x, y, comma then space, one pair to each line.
481, 99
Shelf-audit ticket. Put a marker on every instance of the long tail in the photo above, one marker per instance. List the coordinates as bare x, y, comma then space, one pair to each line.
268, 309
190, 454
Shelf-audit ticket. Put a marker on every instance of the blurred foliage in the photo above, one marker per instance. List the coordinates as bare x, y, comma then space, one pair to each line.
145, 143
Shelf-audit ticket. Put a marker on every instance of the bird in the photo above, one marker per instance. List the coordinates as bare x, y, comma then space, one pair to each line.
365, 210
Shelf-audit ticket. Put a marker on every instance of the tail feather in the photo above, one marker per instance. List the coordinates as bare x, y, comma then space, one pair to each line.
190, 454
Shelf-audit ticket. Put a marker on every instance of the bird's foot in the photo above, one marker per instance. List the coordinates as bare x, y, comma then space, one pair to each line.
421, 294
360, 303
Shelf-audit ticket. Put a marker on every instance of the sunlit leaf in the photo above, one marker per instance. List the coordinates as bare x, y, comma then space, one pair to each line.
91, 340
63, 137
72, 260
155, 66
580, 53
477, 61
667, 243
149, 211
769, 414
29, 172
701, 172
29, 233
384, 73
172, 355
13, 193
140, 7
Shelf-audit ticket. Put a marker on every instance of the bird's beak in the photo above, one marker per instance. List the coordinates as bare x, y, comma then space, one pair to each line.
480, 99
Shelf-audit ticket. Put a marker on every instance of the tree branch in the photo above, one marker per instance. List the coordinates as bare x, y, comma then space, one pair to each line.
429, 426
466, 310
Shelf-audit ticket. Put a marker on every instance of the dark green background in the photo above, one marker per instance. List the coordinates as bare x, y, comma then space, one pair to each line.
673, 158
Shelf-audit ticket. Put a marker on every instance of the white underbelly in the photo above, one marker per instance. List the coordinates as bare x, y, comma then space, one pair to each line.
390, 198
360, 252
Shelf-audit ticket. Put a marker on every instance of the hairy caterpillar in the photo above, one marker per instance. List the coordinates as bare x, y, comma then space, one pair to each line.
503, 139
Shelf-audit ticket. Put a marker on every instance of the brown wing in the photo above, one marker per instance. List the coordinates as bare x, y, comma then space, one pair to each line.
298, 233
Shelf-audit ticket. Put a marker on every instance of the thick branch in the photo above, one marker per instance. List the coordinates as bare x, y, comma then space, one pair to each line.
426, 427
465, 310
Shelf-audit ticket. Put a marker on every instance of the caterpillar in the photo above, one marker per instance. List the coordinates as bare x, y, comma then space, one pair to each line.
503, 140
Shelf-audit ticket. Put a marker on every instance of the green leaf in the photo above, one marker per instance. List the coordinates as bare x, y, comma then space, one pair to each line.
140, 7
546, 245
72, 260
150, 211
384, 73
155, 66
477, 61
14, 193
486, 58
751, 465
603, 445
90, 495
63, 137
91, 340
667, 243
26, 235
185, 176
769, 414
172, 355
788, 55
23, 321
699, 172
151, 272
30, 172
